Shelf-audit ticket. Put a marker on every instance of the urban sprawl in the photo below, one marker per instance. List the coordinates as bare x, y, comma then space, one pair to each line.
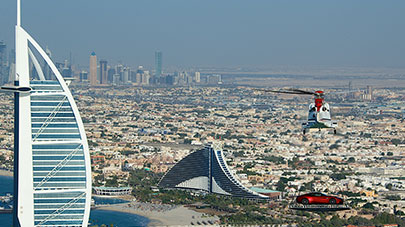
139, 126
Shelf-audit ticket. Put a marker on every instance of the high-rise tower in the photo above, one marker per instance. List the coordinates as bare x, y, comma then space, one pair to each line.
103, 72
197, 77
125, 75
3, 63
93, 69
158, 63
369, 92
52, 173
45, 68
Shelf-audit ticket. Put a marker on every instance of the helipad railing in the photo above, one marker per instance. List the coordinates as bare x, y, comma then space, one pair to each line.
319, 207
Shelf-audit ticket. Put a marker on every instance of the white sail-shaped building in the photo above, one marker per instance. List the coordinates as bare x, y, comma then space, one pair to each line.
52, 178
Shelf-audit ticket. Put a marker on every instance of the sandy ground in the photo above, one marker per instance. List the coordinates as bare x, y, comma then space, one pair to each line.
179, 216
6, 173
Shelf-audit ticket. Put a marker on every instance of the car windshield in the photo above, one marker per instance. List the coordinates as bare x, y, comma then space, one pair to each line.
316, 194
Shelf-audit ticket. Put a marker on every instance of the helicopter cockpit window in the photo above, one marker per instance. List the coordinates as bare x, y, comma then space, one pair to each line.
324, 109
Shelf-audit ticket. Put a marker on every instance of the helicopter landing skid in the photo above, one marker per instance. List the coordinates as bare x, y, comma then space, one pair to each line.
307, 129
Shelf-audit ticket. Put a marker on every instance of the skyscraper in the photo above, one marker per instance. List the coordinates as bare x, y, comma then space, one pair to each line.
67, 70
93, 69
45, 68
110, 76
158, 63
125, 75
103, 72
197, 77
83, 76
119, 70
145, 78
3, 63
11, 65
139, 75
52, 172
369, 92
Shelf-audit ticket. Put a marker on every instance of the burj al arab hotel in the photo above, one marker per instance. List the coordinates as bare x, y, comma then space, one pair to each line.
52, 175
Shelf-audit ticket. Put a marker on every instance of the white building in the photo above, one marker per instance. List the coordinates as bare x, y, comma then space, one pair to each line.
52, 174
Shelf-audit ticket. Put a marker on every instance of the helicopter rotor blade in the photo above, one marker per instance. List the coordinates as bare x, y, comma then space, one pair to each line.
289, 91
303, 91
15, 89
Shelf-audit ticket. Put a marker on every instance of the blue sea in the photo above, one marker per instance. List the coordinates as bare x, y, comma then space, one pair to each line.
97, 217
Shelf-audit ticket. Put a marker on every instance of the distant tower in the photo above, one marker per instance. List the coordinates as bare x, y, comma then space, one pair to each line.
48, 52
139, 75
158, 63
145, 78
83, 76
103, 72
11, 72
125, 75
93, 69
3, 63
119, 69
132, 77
111, 72
197, 77
47, 70
369, 92
116, 78
66, 70
11, 65
138, 79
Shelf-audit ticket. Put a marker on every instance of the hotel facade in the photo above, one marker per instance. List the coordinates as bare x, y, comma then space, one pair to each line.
206, 170
52, 173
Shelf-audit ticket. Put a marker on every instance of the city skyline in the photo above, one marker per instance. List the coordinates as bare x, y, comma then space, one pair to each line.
239, 34
204, 145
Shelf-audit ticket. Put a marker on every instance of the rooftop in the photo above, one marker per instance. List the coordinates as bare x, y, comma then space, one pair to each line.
262, 190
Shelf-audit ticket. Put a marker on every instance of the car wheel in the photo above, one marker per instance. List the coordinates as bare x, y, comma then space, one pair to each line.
332, 201
305, 201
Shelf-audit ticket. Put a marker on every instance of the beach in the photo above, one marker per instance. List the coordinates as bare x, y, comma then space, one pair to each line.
6, 173
163, 215
159, 215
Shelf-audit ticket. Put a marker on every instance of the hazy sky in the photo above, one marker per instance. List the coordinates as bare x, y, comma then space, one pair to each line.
225, 33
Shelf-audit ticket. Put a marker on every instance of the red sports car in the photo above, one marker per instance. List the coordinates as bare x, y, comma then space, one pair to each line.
318, 198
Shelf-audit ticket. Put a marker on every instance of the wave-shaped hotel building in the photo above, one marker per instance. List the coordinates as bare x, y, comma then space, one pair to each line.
206, 170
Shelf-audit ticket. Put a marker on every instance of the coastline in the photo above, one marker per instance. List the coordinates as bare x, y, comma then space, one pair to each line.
153, 222
6, 173
158, 215
178, 216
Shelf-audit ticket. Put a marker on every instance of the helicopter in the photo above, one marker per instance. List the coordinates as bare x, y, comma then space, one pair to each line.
318, 112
